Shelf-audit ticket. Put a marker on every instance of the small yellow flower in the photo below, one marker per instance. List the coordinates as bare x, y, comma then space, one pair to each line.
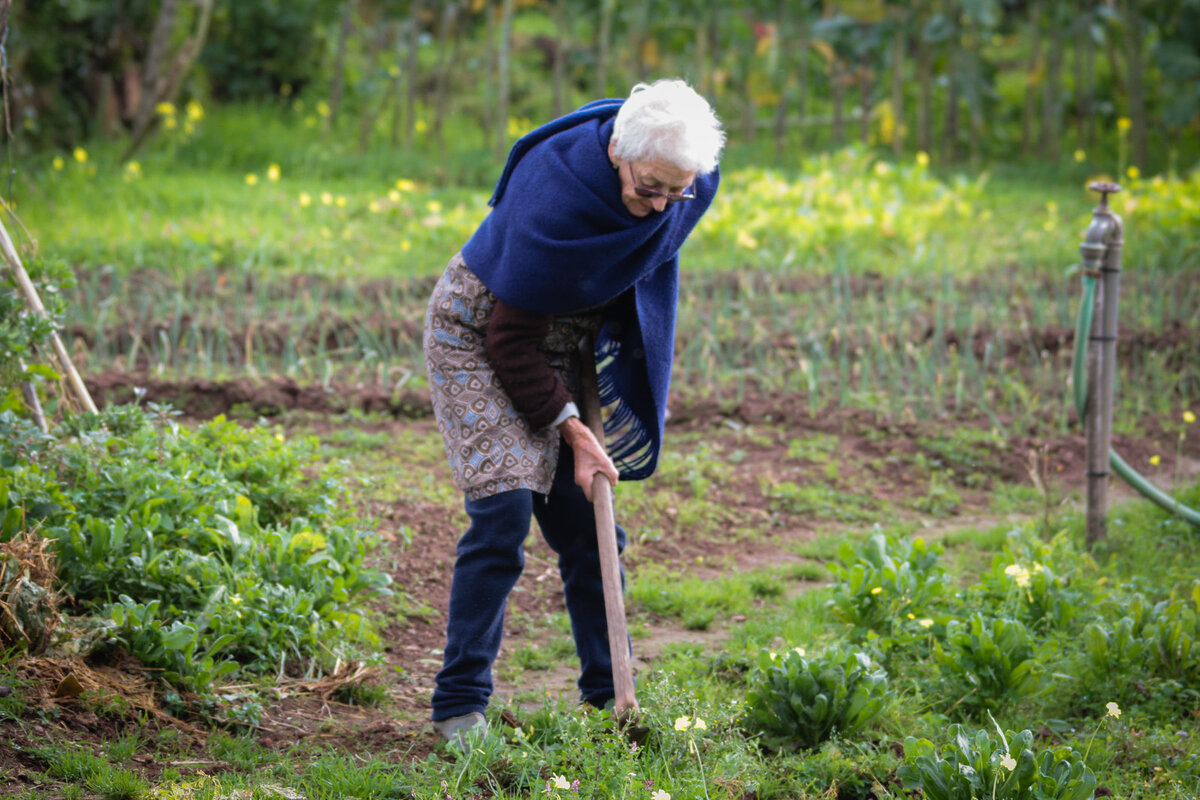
560, 782
911, 615
923, 158
405, 185
1008, 762
305, 199
57, 162
373, 206
1080, 156
434, 206
1134, 173
747, 241
170, 123
341, 201
1155, 460
1189, 417
80, 154
394, 196
323, 108
1124, 123
421, 126
925, 623
195, 111
660, 794
251, 179
683, 723
799, 651
273, 173
405, 246
326, 198
877, 590
882, 168
1114, 710
700, 725
165, 109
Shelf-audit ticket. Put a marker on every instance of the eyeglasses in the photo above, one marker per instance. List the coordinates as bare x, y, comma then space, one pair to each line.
645, 191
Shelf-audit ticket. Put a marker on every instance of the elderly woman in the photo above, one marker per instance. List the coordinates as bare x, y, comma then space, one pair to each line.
583, 240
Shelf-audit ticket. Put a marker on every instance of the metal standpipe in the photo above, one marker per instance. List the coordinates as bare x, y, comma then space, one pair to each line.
1101, 250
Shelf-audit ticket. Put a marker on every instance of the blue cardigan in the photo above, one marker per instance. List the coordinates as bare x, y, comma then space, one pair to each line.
559, 240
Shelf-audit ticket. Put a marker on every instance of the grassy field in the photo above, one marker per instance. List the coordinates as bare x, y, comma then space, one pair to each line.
866, 528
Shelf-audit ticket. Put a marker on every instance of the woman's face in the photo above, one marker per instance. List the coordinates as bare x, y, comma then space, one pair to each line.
661, 176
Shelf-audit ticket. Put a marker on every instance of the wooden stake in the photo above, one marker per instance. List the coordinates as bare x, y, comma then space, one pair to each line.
35, 303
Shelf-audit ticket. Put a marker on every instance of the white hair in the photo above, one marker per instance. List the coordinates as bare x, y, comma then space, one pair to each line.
668, 121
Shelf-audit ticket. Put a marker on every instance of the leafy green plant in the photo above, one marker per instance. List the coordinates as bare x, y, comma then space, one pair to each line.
798, 700
221, 544
988, 661
887, 580
1160, 640
1011, 767
22, 333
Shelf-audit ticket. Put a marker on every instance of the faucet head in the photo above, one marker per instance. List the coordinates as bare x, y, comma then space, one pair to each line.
1105, 188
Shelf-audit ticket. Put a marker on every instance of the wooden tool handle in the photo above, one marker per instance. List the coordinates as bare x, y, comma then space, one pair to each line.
606, 539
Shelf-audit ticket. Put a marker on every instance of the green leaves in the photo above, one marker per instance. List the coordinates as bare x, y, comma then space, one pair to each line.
795, 700
213, 539
890, 580
989, 661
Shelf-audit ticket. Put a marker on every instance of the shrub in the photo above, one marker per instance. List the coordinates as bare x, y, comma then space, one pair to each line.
797, 700
973, 766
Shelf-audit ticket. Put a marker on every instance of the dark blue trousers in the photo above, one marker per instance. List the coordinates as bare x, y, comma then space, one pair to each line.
490, 559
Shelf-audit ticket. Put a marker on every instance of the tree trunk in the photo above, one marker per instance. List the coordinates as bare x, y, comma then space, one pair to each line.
165, 88
502, 73
1089, 78
781, 108
153, 73
924, 96
1033, 76
560, 57
410, 90
372, 112
865, 101
898, 44
605, 34
1135, 81
838, 90
447, 54
1052, 92
638, 40
339, 64
950, 129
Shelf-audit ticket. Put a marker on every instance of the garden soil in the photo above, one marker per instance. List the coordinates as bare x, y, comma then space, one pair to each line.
91, 703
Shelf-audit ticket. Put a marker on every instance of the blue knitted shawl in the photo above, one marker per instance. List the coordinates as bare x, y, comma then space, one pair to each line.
559, 240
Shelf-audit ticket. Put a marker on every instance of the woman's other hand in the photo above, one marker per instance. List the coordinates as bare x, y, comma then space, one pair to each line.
590, 457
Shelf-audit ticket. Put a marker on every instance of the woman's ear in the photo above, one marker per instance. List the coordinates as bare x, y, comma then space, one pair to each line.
612, 151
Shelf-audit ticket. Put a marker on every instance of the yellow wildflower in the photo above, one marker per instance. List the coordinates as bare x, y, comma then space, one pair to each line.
251, 179
1124, 123
341, 201
925, 623
326, 198
273, 172
434, 206
405, 185
57, 162
923, 158
305, 199
560, 782
877, 590
1189, 417
1134, 173
323, 108
421, 126
80, 154
683, 723
195, 111
1008, 762
1155, 460
1114, 710
165, 109
1080, 156
700, 725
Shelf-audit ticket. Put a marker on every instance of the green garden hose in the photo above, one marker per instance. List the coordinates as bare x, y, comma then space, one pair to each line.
1082, 326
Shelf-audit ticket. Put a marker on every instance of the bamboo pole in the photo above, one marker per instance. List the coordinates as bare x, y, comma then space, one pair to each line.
35, 303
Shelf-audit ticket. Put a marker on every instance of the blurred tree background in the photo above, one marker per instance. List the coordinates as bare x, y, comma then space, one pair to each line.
961, 80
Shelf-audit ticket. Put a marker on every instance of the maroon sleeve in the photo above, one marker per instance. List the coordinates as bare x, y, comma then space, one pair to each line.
512, 344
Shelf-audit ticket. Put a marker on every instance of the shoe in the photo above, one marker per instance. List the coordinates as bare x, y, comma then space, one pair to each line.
455, 729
